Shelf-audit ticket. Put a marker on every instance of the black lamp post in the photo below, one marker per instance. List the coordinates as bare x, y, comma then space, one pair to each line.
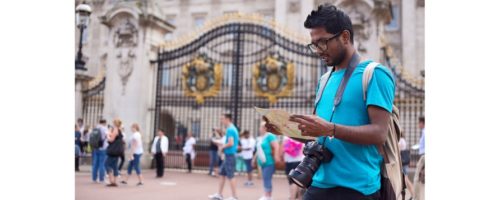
82, 21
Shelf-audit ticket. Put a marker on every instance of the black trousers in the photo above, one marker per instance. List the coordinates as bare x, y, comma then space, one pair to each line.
188, 160
337, 193
77, 163
160, 164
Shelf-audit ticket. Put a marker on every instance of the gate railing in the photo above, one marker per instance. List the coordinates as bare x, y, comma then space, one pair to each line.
238, 44
93, 104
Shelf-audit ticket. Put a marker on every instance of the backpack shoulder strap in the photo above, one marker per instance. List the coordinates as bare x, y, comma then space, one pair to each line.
367, 77
322, 84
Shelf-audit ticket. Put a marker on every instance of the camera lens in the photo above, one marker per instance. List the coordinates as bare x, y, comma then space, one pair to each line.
315, 154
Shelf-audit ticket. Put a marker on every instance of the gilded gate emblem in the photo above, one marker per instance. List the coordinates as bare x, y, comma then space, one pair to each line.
201, 78
273, 78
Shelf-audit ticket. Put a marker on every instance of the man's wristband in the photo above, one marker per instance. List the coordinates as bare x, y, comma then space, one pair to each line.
333, 131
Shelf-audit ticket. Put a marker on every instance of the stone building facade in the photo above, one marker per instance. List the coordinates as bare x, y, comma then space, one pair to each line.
124, 38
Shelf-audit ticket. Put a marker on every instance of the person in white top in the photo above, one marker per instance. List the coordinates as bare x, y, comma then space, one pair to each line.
188, 150
419, 177
247, 148
291, 150
137, 150
159, 149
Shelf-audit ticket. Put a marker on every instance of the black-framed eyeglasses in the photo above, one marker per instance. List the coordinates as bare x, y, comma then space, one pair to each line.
322, 44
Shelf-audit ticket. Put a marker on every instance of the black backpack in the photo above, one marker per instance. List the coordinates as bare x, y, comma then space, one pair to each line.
95, 139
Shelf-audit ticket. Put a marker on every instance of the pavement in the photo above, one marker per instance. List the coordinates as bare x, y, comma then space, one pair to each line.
175, 184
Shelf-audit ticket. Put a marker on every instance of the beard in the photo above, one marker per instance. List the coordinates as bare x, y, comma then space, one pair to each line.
339, 57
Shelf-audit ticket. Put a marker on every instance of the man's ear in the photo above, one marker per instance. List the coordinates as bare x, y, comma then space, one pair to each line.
346, 37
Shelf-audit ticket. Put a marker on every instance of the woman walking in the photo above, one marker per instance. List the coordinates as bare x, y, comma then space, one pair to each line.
137, 150
188, 150
114, 150
267, 155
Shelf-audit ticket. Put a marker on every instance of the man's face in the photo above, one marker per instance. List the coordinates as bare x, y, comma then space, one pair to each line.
421, 125
224, 120
160, 133
329, 47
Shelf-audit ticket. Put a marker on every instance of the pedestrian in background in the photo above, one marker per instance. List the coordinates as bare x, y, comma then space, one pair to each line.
240, 164
85, 140
229, 147
114, 150
405, 159
122, 156
188, 150
159, 149
214, 157
419, 178
78, 144
247, 149
267, 156
137, 150
99, 145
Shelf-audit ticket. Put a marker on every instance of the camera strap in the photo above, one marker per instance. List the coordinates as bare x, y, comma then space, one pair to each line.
340, 91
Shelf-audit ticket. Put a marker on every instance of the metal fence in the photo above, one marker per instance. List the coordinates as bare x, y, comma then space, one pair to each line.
93, 104
238, 65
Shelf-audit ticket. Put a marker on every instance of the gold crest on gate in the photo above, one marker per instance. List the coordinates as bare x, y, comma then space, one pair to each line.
273, 78
201, 78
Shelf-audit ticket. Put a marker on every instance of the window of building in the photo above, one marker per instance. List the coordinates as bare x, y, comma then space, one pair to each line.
230, 12
394, 24
171, 19
168, 36
198, 20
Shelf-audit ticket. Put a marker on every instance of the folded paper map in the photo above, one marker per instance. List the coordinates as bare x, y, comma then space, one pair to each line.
280, 119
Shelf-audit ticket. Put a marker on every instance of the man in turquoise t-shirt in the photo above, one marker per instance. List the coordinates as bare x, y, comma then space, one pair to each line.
229, 148
355, 127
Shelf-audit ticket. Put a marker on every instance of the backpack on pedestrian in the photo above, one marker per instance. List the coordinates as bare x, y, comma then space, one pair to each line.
95, 139
392, 177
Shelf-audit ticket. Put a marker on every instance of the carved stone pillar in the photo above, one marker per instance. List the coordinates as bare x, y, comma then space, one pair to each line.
135, 31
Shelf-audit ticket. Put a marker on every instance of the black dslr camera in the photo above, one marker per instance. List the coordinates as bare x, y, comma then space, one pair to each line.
315, 155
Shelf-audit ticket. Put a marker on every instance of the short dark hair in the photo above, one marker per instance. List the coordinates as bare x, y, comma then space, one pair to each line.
421, 119
102, 121
161, 129
246, 132
228, 116
331, 18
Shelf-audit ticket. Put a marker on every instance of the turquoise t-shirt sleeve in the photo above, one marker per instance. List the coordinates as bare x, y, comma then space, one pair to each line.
381, 89
271, 138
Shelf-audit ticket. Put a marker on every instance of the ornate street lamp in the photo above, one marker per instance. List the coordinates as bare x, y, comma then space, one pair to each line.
82, 21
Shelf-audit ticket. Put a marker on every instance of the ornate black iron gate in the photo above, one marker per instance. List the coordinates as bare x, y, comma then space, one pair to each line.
232, 67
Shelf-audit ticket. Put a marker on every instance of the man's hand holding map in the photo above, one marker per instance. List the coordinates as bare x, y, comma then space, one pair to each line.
280, 120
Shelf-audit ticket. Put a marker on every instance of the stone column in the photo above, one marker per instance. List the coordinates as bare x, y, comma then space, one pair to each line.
408, 33
135, 33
